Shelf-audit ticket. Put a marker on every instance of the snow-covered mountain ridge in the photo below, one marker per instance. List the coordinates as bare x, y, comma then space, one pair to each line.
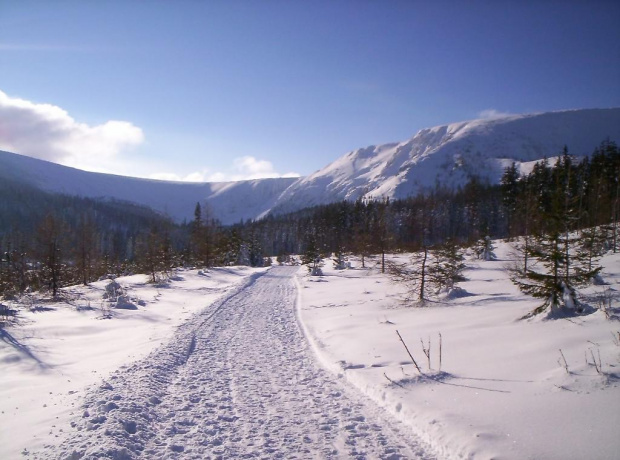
451, 154
229, 201
448, 155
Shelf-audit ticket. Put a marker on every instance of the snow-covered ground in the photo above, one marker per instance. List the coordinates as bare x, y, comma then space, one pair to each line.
502, 391
236, 380
216, 364
57, 350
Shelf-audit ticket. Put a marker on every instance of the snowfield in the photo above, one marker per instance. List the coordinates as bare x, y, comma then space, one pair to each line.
57, 350
273, 363
503, 391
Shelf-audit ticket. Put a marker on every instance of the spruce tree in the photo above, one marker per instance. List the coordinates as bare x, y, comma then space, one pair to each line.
448, 268
558, 262
312, 256
417, 276
51, 238
380, 229
86, 251
510, 187
485, 249
361, 234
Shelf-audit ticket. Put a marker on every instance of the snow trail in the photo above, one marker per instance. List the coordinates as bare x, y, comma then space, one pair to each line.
236, 381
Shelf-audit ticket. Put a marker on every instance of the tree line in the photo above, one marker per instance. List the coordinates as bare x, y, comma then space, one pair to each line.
571, 194
49, 240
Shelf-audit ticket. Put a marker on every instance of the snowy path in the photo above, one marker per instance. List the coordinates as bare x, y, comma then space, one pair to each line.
236, 381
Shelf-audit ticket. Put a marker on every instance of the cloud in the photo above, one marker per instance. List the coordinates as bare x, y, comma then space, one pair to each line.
165, 176
197, 176
492, 113
242, 168
250, 168
49, 133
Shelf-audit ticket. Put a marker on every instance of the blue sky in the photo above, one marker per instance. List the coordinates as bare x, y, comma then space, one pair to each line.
235, 89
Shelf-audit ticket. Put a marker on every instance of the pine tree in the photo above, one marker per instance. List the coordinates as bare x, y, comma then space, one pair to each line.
380, 229
417, 276
196, 239
155, 253
592, 245
50, 239
361, 236
448, 268
560, 261
555, 275
485, 249
232, 249
14, 273
312, 256
85, 251
510, 192
255, 253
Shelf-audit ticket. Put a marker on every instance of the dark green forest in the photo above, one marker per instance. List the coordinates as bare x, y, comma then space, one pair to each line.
48, 241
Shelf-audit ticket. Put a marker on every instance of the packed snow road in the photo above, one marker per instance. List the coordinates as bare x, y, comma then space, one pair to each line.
237, 381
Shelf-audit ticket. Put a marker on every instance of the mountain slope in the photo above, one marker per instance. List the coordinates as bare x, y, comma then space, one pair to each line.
228, 201
451, 154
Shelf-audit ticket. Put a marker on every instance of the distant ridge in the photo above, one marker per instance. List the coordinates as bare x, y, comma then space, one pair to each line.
229, 201
449, 155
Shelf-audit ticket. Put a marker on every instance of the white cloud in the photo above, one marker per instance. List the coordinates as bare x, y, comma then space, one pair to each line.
251, 168
243, 168
492, 113
48, 132
165, 176
248, 167
197, 176
219, 177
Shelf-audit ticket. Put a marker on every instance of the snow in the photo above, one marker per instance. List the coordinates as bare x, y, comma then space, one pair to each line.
57, 350
273, 362
235, 380
230, 202
501, 391
449, 155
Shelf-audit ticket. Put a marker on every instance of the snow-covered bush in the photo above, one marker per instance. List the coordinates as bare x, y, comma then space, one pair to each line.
125, 302
339, 261
6, 314
484, 249
115, 296
112, 291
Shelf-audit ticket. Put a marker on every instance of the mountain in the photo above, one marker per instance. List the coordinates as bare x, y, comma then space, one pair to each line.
229, 201
23, 208
449, 155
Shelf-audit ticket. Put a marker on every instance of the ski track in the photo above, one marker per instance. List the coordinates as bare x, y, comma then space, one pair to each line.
236, 381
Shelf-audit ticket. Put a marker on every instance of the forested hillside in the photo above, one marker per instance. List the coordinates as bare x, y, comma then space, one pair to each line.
49, 240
